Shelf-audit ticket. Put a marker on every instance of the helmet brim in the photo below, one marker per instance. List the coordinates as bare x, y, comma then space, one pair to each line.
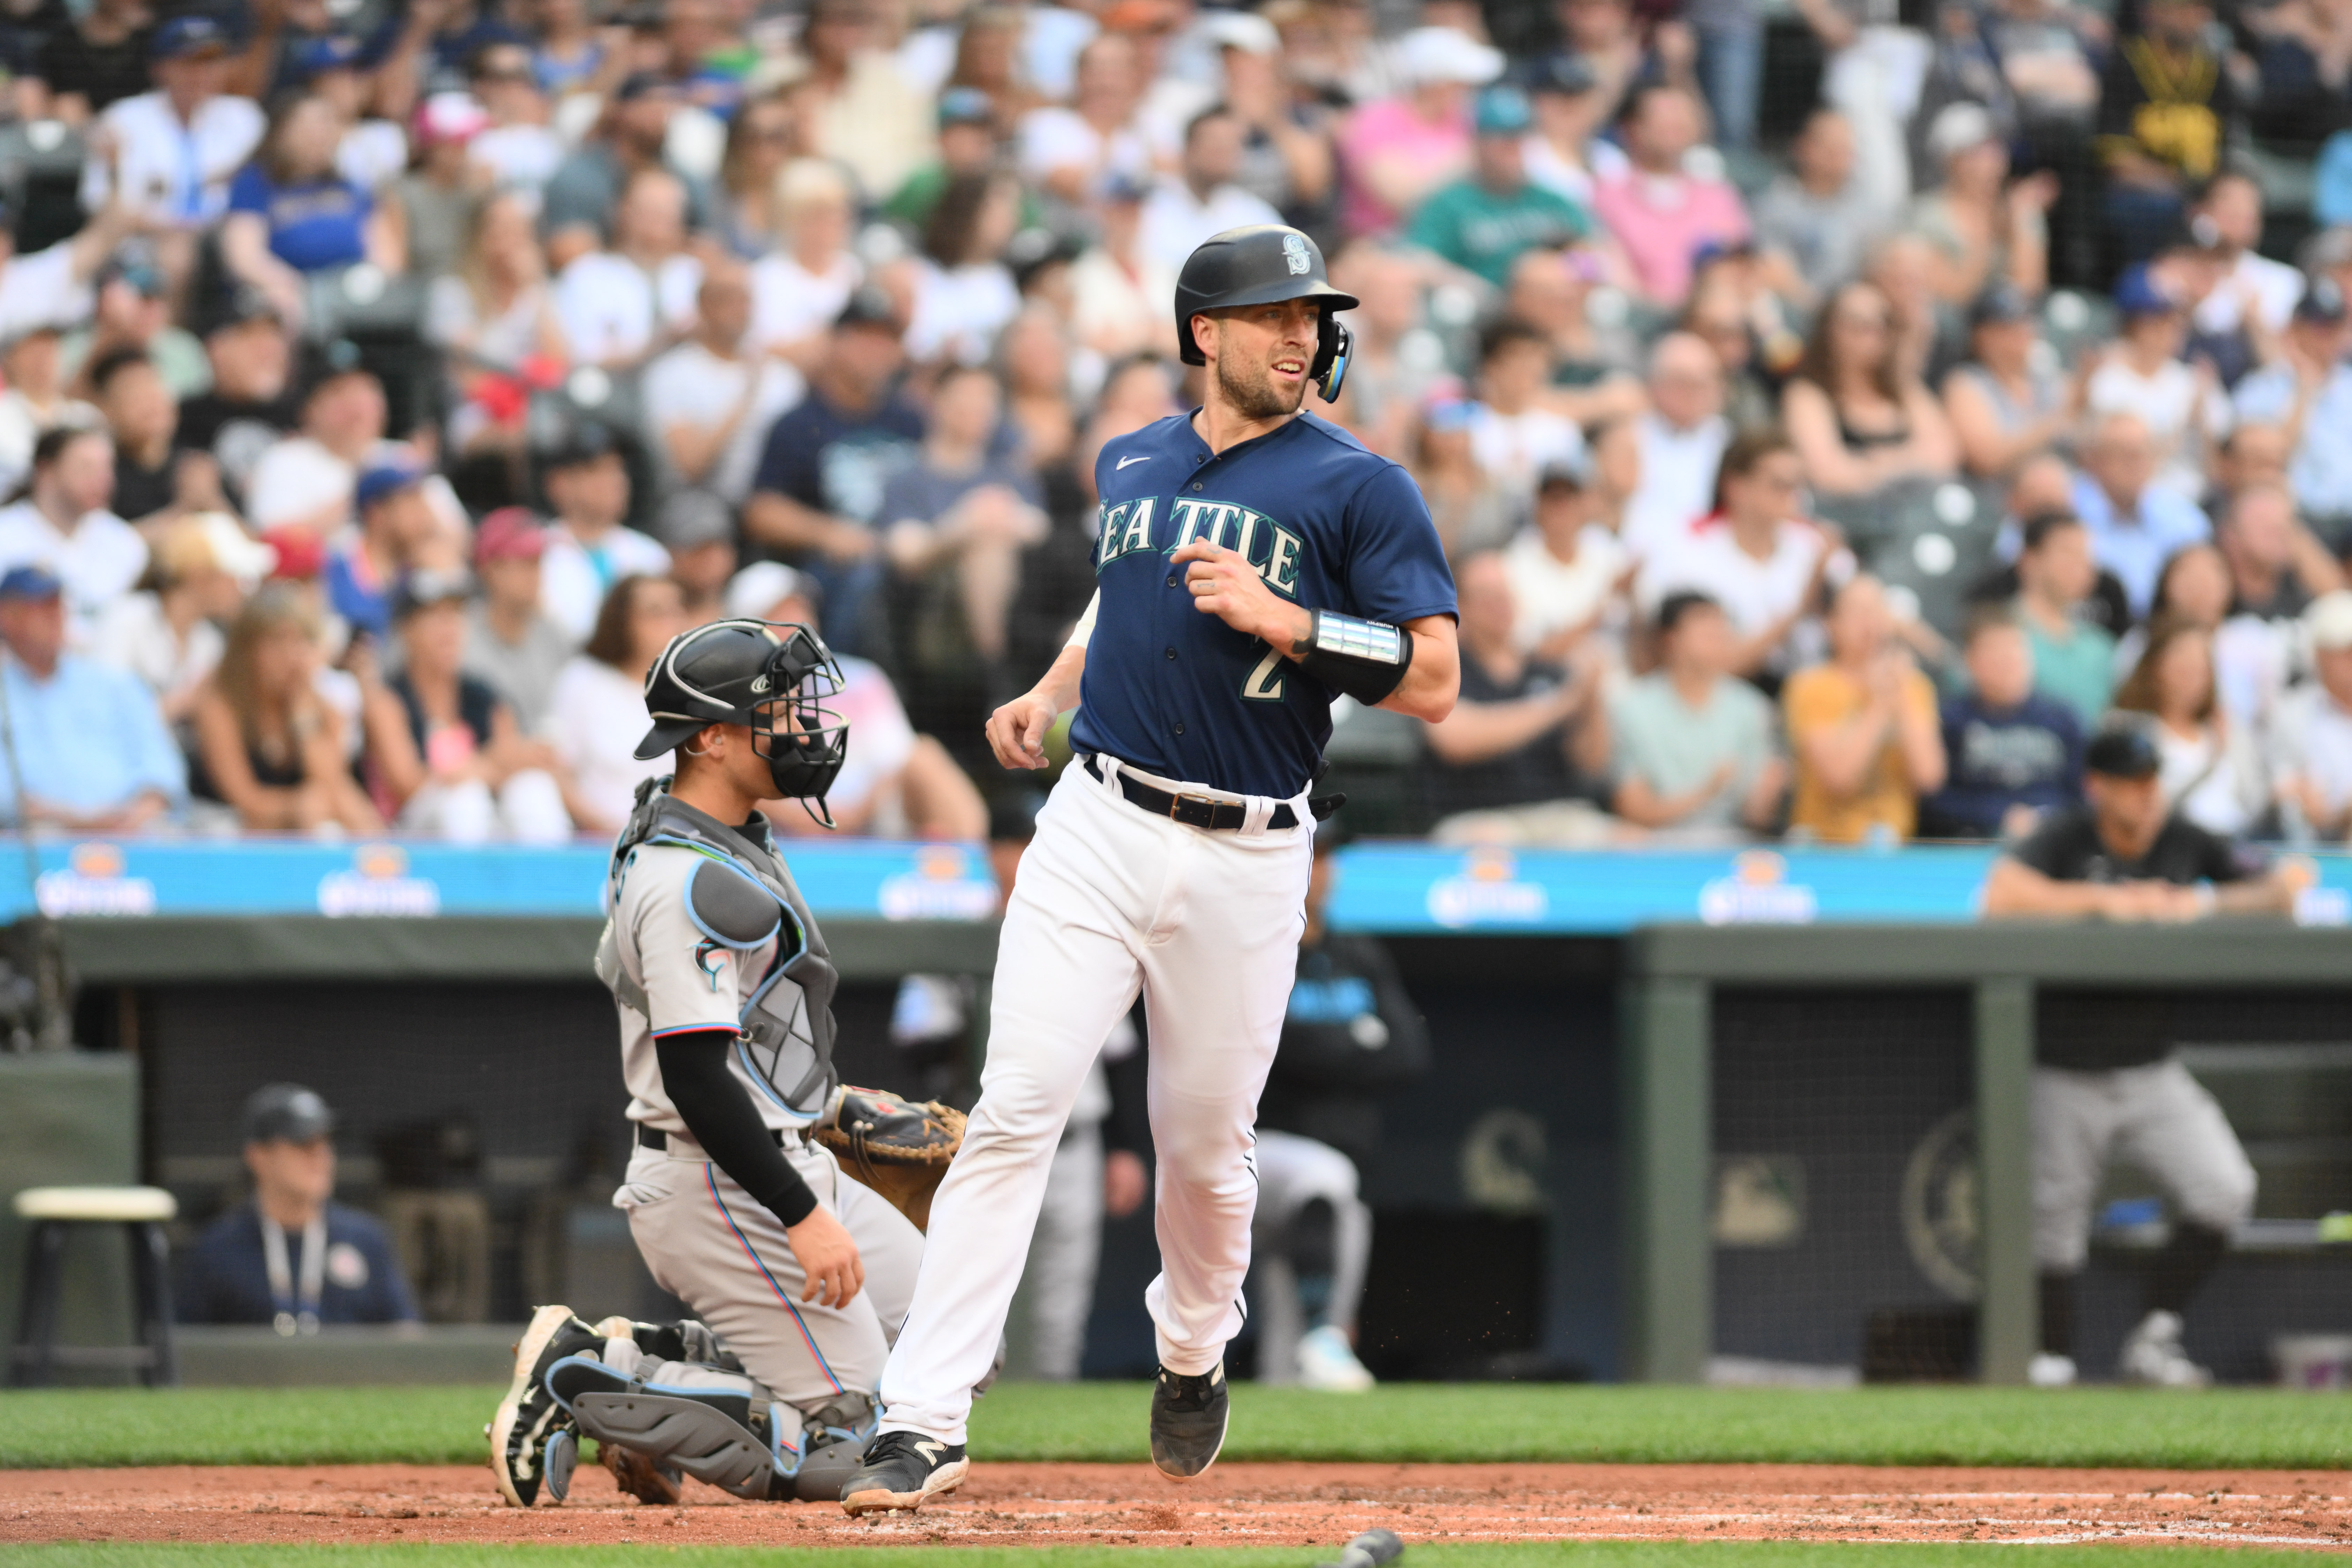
1331, 300
669, 734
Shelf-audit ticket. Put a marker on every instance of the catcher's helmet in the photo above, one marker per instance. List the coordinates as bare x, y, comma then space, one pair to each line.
775, 678
1257, 265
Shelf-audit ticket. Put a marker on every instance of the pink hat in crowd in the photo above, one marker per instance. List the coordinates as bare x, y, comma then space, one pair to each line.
450, 117
509, 534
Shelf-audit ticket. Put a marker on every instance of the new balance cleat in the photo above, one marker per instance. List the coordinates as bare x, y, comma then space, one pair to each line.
903, 1470
529, 1418
1188, 1421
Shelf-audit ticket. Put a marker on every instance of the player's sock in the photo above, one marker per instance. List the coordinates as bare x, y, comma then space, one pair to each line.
2187, 1261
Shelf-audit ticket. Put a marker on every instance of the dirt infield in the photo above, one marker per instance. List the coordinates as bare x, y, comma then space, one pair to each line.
1236, 1504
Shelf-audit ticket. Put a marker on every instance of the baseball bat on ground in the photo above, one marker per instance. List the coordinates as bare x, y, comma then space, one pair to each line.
1373, 1549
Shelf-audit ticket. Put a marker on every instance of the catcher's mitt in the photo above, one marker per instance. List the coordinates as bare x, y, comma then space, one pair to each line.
895, 1147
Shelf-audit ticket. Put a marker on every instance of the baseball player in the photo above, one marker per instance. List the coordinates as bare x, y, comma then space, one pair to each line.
1255, 563
798, 1277
2105, 1083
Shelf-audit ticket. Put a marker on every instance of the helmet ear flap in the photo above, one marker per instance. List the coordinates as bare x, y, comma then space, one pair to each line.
1335, 345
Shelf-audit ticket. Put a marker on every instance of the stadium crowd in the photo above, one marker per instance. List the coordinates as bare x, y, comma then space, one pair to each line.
383, 386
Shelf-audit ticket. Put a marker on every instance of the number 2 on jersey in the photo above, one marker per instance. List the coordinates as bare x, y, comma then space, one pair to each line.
1264, 684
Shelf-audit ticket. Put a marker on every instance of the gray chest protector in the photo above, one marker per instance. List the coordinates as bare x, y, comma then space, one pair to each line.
740, 897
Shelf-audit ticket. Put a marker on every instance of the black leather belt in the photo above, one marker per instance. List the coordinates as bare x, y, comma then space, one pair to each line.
655, 1139
1191, 810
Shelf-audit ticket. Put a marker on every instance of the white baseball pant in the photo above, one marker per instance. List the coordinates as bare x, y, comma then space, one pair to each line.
707, 1243
2156, 1118
1109, 900
1059, 1280
1292, 1172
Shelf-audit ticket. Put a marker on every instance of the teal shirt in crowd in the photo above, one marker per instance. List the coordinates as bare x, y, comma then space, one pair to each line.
2080, 671
1485, 231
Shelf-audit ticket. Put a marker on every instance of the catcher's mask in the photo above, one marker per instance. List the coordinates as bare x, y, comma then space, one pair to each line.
775, 678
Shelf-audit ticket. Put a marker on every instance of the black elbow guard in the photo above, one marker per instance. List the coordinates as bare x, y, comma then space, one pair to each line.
1366, 659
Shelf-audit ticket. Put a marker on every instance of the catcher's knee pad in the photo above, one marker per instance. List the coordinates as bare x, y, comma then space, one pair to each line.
686, 1340
715, 1430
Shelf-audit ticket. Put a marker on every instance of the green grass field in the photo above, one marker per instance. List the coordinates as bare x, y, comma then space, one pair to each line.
1434, 1422
1531, 1554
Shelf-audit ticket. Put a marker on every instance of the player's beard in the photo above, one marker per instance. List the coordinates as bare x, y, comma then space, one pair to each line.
1250, 391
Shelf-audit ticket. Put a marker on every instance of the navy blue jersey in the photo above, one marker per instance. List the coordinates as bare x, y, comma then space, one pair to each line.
224, 1279
1328, 526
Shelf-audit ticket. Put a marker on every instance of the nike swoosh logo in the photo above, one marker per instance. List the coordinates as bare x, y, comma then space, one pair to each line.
1125, 461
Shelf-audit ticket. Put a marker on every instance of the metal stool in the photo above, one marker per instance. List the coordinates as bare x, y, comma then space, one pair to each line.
142, 1212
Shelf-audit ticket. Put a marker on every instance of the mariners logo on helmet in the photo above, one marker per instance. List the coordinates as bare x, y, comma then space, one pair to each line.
1294, 251
773, 678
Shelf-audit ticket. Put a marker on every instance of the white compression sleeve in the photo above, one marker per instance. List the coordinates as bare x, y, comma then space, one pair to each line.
1083, 631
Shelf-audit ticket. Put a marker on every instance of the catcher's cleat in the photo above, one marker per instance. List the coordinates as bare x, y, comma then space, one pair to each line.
637, 1474
899, 1148
902, 1471
1188, 1421
529, 1418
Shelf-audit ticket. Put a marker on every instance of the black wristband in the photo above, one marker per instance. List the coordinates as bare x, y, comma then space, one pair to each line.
722, 1119
1366, 659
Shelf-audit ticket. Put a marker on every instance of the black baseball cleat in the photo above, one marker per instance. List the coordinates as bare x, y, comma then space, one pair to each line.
903, 1470
1188, 1420
530, 1422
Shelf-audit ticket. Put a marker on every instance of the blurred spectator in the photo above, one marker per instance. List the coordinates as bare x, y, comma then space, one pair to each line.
1862, 726
2136, 524
1658, 210
698, 529
65, 524
710, 400
290, 214
89, 741
168, 634
1287, 157
1608, 36
898, 784
171, 153
442, 747
2256, 295
1754, 554
1859, 420
495, 320
1203, 199
2073, 657
1697, 749
583, 195
598, 714
1068, 152
862, 112
516, 148
2009, 401
747, 200
1513, 429
2013, 754
1593, 351
2308, 391
590, 547
2251, 454
35, 403
967, 118
800, 287
1485, 223
1729, 35
2311, 737
1473, 507
1395, 151
622, 305
2167, 110
963, 292
1816, 217
1682, 439
571, 54
1120, 290
512, 645
364, 567
141, 414
2250, 653
2212, 772
95, 61
2105, 1084
2179, 405
819, 487
1569, 110
292, 1256
268, 745
133, 312
1985, 228
1527, 738
251, 403
2276, 567
1566, 572
304, 483
433, 206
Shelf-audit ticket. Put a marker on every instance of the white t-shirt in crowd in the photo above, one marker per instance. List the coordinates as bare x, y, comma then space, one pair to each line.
295, 479
869, 704
99, 563
1551, 595
1754, 593
41, 290
1056, 138
133, 634
790, 304
1677, 483
1116, 310
178, 174
596, 718
691, 386
519, 157
22, 425
372, 153
1175, 221
1515, 449
2180, 418
573, 577
611, 308
959, 311
2312, 740
2274, 286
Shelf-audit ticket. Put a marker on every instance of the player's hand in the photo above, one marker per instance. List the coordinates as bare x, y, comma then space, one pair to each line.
1016, 732
829, 1259
1224, 584
1125, 1183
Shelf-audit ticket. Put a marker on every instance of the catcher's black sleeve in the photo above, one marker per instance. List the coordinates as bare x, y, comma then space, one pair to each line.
1129, 1125
722, 1120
